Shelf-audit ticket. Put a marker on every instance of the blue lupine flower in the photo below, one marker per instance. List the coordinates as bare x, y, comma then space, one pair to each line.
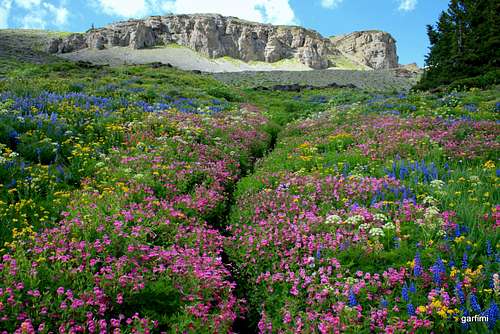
413, 289
470, 107
465, 261
410, 309
352, 299
404, 293
474, 303
345, 170
489, 250
440, 265
465, 325
438, 269
344, 245
447, 237
493, 315
464, 229
318, 253
13, 134
460, 292
384, 303
60, 169
53, 118
417, 269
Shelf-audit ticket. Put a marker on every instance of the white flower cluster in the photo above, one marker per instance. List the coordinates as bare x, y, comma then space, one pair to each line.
431, 213
432, 217
429, 200
379, 217
364, 226
389, 226
437, 184
355, 220
333, 219
376, 232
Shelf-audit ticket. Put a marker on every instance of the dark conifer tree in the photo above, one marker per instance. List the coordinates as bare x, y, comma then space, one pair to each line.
464, 43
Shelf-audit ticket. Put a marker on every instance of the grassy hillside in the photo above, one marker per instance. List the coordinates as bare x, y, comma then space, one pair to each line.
25, 45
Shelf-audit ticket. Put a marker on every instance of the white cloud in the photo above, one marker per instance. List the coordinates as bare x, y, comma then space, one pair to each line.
269, 11
60, 13
40, 14
27, 4
124, 8
34, 20
330, 4
407, 5
4, 13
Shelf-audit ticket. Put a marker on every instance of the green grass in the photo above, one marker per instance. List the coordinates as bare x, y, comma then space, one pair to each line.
344, 63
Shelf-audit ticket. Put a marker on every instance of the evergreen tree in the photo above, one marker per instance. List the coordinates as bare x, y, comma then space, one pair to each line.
464, 43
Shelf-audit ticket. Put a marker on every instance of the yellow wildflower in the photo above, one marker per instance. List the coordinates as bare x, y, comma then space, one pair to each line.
454, 272
489, 165
442, 312
422, 309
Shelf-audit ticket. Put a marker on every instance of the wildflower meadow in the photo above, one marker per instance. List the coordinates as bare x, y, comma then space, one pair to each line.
140, 200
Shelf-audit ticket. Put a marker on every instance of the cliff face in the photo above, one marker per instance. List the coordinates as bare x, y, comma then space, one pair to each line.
217, 36
376, 49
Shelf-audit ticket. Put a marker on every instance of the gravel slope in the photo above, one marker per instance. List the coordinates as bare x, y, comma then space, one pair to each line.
180, 57
370, 80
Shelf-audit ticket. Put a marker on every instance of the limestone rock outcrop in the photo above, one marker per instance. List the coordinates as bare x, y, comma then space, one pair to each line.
216, 36
376, 49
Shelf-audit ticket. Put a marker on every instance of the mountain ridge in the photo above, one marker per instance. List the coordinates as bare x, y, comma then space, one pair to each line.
217, 36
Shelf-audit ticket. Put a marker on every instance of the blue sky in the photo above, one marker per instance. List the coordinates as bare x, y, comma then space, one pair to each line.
404, 19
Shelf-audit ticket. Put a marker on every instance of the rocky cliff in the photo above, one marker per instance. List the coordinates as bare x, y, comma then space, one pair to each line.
376, 49
217, 36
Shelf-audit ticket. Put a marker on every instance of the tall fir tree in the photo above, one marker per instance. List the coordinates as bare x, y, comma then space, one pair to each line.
464, 43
